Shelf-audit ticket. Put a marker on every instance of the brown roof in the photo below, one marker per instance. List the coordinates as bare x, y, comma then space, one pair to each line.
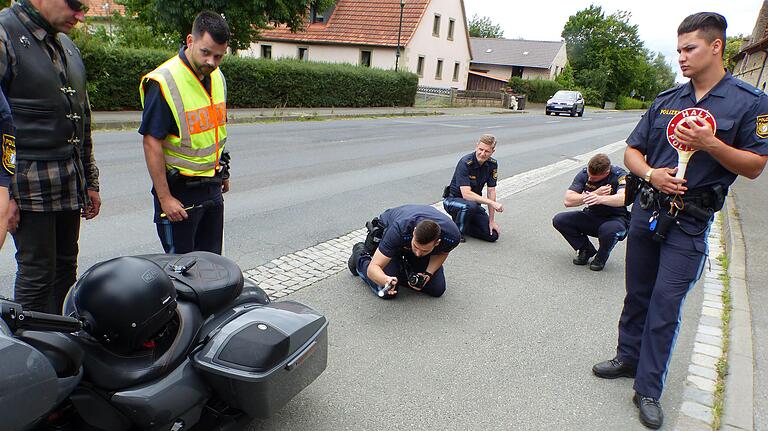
368, 22
98, 8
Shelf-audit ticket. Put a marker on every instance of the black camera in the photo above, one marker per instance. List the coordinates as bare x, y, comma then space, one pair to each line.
417, 280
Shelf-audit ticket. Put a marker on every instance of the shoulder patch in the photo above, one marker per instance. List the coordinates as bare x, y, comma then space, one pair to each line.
761, 126
9, 153
469, 162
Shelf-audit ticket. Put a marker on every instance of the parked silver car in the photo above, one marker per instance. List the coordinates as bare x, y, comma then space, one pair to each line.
570, 102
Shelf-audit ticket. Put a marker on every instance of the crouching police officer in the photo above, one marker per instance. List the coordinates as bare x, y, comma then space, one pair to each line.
667, 241
464, 196
406, 246
600, 187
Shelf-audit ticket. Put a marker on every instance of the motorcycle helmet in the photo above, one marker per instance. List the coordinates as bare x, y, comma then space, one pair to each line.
124, 302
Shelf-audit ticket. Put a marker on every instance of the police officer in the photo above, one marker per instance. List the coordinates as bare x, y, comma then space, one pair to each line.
600, 187
8, 154
184, 128
411, 244
464, 197
666, 246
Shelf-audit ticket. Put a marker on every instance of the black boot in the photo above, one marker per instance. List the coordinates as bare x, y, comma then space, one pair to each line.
613, 369
597, 264
358, 250
583, 255
651, 414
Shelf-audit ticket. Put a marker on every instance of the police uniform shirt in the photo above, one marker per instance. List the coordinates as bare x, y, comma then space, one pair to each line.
157, 119
469, 172
741, 115
401, 221
617, 179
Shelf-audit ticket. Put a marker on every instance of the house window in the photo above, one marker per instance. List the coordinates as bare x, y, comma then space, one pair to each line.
420, 67
266, 51
436, 26
303, 53
439, 70
365, 58
456, 67
451, 26
319, 16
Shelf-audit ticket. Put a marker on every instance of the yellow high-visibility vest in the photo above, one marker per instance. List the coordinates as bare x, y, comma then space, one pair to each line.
201, 118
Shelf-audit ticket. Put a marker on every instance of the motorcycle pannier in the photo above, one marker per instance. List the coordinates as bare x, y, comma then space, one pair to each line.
261, 356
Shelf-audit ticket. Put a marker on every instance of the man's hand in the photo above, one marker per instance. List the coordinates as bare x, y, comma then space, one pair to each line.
225, 186
93, 208
664, 180
492, 226
13, 215
390, 284
422, 275
698, 134
498, 207
173, 209
604, 190
593, 199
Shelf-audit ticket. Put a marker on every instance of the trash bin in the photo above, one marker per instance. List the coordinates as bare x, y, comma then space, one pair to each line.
521, 101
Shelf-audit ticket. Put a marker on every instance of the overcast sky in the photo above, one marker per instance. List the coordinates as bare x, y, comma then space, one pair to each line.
657, 20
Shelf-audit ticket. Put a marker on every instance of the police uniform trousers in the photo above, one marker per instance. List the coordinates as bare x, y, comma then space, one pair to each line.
658, 278
470, 217
435, 287
203, 230
46, 253
576, 226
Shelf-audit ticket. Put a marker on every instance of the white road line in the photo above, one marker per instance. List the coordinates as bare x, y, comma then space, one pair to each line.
494, 127
587, 119
553, 122
426, 123
287, 274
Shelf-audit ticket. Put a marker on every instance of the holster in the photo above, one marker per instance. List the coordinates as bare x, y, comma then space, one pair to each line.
375, 233
446, 191
632, 188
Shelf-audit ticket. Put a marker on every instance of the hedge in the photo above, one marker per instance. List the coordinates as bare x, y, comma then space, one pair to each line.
537, 90
114, 74
630, 103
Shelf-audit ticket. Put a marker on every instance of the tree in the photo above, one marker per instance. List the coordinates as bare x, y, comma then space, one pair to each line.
606, 52
245, 17
733, 45
484, 27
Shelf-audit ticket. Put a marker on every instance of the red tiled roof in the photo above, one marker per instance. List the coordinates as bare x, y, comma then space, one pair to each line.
368, 22
98, 8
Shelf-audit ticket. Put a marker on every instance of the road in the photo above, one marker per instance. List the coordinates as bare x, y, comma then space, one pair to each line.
509, 346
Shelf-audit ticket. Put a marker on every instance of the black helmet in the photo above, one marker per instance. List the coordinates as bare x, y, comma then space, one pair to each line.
124, 301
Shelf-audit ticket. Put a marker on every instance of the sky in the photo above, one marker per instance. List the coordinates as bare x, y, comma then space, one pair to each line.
657, 20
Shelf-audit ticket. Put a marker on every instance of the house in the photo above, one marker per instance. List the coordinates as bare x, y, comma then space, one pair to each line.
497, 60
103, 8
434, 38
753, 55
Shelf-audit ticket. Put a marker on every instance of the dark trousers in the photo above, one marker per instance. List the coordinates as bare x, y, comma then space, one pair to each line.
658, 278
577, 226
46, 255
203, 230
435, 287
470, 217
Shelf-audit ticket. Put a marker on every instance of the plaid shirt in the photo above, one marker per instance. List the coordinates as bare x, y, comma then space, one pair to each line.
56, 185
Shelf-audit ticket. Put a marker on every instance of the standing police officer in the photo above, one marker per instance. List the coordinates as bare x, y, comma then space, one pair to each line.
184, 128
413, 243
665, 256
463, 198
599, 186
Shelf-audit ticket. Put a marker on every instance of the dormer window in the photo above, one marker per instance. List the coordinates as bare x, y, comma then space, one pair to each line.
319, 16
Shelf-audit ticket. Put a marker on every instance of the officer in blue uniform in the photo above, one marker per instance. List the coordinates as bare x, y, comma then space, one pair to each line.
8, 168
464, 197
599, 186
667, 242
407, 246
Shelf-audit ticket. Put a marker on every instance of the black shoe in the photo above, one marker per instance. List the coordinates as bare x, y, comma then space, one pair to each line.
462, 239
613, 369
583, 255
357, 251
597, 264
651, 414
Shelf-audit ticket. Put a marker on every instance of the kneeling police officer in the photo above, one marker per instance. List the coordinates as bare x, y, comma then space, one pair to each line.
406, 246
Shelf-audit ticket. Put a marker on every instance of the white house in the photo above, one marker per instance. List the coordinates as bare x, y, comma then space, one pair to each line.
434, 38
528, 59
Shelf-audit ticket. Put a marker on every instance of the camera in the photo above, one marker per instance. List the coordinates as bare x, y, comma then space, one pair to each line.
417, 280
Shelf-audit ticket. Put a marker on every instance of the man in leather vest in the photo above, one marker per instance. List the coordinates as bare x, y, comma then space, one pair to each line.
57, 181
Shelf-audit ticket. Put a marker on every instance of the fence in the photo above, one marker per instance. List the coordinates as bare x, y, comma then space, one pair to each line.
454, 98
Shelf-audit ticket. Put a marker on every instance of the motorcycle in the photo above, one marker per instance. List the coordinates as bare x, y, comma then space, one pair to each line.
157, 342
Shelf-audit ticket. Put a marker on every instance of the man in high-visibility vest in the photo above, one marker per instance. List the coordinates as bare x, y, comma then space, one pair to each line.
184, 128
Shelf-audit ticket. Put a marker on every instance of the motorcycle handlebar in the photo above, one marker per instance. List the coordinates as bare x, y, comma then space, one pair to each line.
16, 318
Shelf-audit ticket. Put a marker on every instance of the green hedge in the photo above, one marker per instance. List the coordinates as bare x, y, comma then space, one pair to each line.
114, 74
630, 103
537, 90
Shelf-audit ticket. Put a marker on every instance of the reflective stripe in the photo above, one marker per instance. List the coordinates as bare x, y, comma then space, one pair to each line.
186, 139
188, 164
191, 152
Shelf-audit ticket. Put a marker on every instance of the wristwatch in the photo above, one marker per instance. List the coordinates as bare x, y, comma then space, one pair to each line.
648, 174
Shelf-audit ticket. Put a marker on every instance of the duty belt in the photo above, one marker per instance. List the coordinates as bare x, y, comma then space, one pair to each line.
700, 204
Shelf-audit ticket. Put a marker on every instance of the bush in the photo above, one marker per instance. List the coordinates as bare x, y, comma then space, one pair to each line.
629, 103
537, 90
591, 96
114, 75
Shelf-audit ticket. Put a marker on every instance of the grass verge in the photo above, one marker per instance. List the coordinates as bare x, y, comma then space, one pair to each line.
722, 363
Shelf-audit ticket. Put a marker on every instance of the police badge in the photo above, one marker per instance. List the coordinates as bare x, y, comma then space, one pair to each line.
761, 126
9, 153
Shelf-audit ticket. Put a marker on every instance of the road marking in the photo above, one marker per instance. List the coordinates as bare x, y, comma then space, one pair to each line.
608, 118
494, 127
587, 119
426, 123
553, 122
287, 274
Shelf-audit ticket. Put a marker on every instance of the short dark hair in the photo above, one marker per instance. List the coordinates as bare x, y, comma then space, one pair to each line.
712, 26
599, 164
212, 23
426, 231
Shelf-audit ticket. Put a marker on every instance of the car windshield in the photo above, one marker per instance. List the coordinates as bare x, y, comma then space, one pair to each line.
566, 96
